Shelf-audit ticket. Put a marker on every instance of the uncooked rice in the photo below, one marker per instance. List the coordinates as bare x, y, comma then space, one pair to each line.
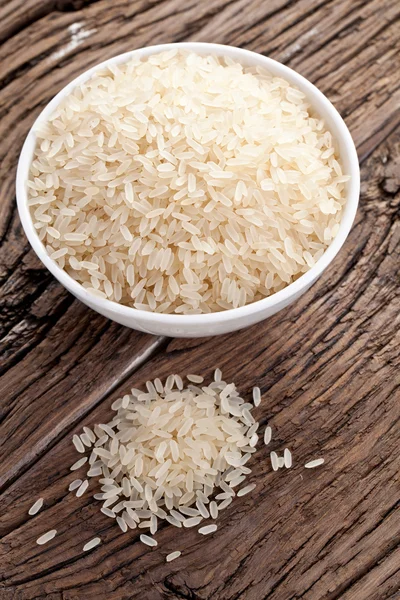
91, 437
274, 461
256, 396
246, 490
224, 504
122, 524
195, 378
76, 440
36, 506
169, 449
192, 522
92, 544
267, 435
108, 512
213, 509
173, 555
208, 529
46, 537
86, 440
287, 458
314, 463
185, 184
82, 488
149, 541
74, 485
79, 463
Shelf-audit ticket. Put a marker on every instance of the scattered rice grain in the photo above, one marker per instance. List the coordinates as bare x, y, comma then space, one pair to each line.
46, 537
314, 463
36, 507
208, 529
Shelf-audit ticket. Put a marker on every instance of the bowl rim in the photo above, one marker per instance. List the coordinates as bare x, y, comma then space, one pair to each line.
281, 297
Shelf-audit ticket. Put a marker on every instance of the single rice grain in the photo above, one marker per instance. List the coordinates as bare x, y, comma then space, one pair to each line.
74, 485
256, 396
79, 463
274, 461
46, 537
267, 435
82, 488
208, 529
92, 544
247, 489
287, 456
36, 506
149, 541
314, 463
173, 555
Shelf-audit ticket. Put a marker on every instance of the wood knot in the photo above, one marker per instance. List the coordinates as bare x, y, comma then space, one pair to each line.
390, 183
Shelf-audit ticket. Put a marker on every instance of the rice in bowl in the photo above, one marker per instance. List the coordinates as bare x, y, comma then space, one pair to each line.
185, 184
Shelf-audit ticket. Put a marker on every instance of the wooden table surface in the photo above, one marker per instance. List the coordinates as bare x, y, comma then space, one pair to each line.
328, 366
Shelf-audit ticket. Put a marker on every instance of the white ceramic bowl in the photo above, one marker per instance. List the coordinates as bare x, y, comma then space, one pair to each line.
229, 320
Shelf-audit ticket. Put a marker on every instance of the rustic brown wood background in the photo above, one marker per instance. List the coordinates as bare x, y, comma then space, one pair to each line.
328, 366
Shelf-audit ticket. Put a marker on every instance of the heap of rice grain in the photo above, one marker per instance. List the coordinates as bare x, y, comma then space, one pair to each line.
172, 452
185, 184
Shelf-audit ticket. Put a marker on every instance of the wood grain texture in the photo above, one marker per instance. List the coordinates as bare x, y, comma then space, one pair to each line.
328, 366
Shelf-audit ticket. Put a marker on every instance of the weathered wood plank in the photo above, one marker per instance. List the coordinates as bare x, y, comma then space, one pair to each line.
77, 359
328, 368
17, 15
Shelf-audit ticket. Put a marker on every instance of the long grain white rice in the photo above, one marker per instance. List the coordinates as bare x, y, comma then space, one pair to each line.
189, 511
74, 485
185, 184
122, 525
108, 512
274, 461
92, 544
91, 437
202, 509
195, 378
36, 506
208, 529
173, 555
177, 515
213, 510
79, 463
46, 537
256, 396
192, 522
168, 450
267, 435
76, 440
173, 521
287, 456
246, 489
225, 503
149, 541
86, 440
94, 472
82, 488
218, 375
314, 463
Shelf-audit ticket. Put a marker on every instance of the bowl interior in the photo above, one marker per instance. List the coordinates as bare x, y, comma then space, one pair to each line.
322, 107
